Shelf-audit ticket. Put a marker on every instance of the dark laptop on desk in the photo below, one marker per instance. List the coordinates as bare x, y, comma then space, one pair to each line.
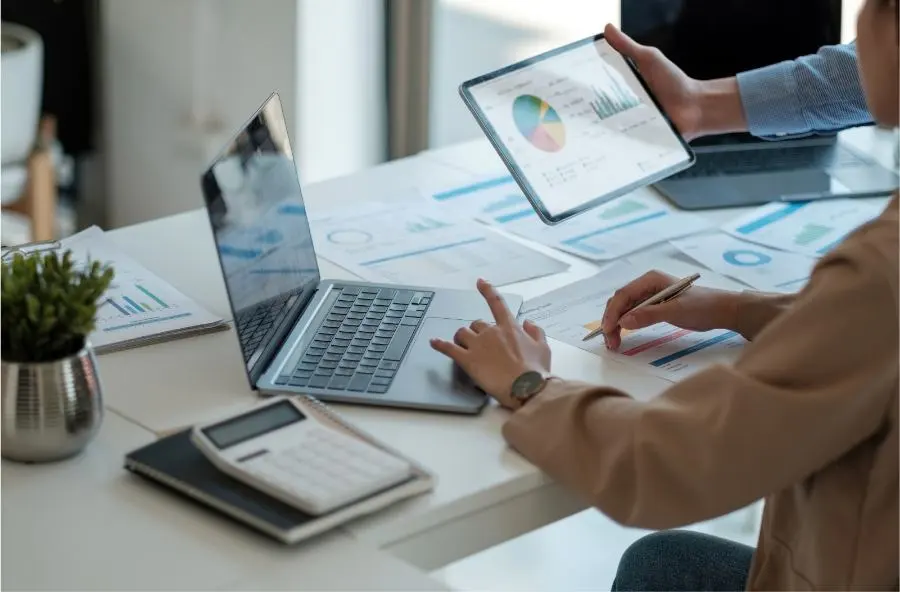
339, 341
717, 38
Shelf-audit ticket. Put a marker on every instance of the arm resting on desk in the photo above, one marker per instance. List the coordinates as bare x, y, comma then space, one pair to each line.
815, 383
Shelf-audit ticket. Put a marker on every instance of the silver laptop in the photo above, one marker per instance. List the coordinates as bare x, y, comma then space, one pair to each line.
341, 341
719, 38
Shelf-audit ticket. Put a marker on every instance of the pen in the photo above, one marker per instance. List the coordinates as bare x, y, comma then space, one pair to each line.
664, 295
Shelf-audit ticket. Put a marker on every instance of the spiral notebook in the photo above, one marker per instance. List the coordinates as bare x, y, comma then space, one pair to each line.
174, 462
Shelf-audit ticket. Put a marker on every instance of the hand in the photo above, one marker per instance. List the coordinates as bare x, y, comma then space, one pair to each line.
494, 356
677, 92
697, 309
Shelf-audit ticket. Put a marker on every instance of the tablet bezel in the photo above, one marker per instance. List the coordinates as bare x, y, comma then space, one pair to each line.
516, 172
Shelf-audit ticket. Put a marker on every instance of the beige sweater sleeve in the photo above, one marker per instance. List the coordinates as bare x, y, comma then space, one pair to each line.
815, 382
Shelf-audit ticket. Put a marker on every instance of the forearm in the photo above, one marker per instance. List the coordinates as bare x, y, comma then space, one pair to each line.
753, 311
721, 110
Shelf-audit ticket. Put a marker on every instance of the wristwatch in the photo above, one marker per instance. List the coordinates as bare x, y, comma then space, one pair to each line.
527, 385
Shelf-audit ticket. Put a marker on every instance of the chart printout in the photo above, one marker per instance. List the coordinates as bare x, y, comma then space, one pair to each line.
669, 352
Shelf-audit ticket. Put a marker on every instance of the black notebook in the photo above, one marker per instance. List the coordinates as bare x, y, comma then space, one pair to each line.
176, 463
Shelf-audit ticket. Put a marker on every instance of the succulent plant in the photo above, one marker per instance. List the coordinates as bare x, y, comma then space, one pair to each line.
49, 304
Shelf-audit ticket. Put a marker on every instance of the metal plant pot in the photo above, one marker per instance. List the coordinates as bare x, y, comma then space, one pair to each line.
51, 410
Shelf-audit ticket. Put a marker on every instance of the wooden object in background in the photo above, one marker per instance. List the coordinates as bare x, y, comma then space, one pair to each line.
38, 201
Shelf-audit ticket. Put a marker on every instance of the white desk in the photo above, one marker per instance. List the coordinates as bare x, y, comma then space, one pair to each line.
87, 524
485, 493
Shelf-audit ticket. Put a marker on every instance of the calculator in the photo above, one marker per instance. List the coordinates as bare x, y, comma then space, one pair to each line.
284, 452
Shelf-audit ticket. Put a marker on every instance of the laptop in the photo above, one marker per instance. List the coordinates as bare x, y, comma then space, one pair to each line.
718, 38
340, 341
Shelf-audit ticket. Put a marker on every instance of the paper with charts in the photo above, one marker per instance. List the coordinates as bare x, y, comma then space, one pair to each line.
754, 265
809, 228
569, 313
414, 243
622, 226
139, 307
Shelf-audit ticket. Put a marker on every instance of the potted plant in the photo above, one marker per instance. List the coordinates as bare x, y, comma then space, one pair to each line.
52, 403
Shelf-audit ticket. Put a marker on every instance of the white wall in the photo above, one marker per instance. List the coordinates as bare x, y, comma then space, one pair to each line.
323, 56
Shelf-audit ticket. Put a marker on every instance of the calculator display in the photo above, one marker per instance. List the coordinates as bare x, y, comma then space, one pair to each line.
253, 424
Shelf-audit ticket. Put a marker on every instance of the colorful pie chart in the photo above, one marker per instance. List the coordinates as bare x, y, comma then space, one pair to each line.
539, 123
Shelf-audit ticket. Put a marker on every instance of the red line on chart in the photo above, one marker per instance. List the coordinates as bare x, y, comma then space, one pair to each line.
659, 341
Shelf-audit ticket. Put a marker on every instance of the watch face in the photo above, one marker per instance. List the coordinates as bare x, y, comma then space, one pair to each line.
527, 384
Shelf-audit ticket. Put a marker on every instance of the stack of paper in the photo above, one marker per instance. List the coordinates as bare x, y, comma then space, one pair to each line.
139, 308
415, 243
607, 232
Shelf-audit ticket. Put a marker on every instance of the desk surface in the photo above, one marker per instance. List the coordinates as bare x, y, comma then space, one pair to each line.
107, 530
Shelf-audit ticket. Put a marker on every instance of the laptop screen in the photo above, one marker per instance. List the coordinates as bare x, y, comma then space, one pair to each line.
718, 38
252, 195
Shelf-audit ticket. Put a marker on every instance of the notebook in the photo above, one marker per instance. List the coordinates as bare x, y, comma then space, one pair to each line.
139, 308
174, 462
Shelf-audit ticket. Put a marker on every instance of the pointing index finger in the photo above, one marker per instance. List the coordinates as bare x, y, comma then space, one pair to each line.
501, 312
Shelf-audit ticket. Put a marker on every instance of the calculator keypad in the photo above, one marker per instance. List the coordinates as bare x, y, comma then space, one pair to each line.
327, 469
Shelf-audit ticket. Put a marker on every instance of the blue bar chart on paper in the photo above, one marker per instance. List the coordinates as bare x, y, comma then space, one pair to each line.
617, 228
418, 243
131, 304
810, 228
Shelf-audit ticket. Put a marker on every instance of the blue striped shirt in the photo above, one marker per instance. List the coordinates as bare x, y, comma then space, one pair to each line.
815, 94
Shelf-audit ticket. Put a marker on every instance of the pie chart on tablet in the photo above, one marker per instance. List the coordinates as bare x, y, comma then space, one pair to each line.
539, 123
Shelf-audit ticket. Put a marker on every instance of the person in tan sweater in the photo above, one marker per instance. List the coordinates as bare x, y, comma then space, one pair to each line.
807, 418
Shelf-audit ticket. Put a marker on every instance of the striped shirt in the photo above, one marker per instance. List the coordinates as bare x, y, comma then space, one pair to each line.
815, 94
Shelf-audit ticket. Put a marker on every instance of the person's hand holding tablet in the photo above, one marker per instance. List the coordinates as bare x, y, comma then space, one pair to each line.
577, 127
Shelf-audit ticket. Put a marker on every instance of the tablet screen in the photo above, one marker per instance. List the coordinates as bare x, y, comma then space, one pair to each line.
577, 127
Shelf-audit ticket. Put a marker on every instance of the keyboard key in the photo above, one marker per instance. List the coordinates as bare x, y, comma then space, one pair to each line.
414, 314
387, 293
319, 381
394, 314
368, 290
388, 365
341, 342
425, 300
358, 308
359, 344
336, 317
409, 322
378, 310
339, 382
354, 290
377, 389
299, 381
332, 357
385, 333
380, 381
384, 373
381, 341
359, 382
370, 323
344, 372
348, 357
373, 355
390, 323
303, 373
283, 379
326, 331
368, 370
328, 365
322, 372
403, 297
398, 345
355, 349
377, 348
306, 366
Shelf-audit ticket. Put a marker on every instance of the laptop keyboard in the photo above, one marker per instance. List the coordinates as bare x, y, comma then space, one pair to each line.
362, 341
735, 162
255, 324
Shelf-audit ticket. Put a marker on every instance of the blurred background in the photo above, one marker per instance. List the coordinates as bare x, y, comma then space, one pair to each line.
136, 96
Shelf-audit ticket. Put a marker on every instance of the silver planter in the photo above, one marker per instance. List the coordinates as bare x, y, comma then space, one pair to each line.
51, 410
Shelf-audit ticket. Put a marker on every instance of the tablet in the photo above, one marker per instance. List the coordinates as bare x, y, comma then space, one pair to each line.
576, 127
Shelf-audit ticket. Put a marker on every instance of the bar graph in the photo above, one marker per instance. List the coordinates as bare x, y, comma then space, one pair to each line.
133, 304
614, 97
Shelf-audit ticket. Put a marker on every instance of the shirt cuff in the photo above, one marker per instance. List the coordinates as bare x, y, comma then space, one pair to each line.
771, 102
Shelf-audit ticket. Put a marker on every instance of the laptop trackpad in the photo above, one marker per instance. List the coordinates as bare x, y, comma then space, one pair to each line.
430, 379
